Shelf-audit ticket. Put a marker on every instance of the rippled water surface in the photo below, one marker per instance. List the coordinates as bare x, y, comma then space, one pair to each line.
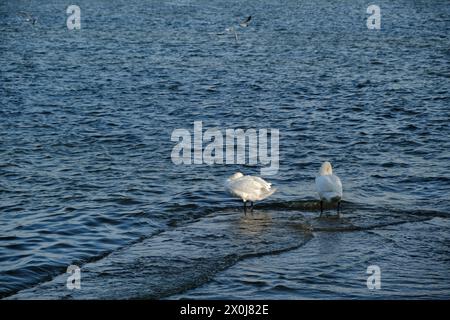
86, 177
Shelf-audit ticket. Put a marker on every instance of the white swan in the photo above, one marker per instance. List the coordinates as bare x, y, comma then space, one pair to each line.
328, 186
248, 188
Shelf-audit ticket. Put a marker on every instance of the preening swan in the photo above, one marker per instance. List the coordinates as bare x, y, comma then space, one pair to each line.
248, 188
328, 186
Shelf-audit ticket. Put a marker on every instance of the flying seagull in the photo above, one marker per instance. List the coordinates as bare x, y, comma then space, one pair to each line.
245, 23
28, 17
242, 24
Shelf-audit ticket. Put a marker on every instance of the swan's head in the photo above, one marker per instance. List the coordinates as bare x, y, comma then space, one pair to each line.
326, 169
235, 176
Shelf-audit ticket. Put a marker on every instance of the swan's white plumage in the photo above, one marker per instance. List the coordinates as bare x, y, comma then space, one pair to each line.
249, 188
328, 185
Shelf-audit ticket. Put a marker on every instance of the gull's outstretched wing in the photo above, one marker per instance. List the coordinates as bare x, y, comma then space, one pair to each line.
27, 16
245, 22
24, 14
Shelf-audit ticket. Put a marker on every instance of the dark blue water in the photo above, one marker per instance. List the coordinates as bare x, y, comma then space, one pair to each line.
86, 176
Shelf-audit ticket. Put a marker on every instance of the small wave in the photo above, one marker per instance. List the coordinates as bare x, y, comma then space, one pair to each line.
297, 205
122, 200
177, 260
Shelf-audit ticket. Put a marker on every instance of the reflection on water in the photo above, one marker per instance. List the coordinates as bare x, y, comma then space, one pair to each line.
254, 223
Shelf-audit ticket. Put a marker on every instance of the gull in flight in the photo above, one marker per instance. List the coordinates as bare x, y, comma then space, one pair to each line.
245, 23
242, 24
28, 17
328, 186
248, 188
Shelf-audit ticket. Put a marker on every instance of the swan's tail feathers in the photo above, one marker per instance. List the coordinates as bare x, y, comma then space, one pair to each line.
269, 192
331, 196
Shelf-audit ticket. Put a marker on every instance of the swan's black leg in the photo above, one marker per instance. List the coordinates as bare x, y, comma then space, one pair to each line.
245, 208
251, 206
321, 208
338, 208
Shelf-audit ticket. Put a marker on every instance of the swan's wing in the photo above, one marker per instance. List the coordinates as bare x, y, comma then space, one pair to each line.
337, 183
329, 186
237, 188
250, 188
248, 183
262, 182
